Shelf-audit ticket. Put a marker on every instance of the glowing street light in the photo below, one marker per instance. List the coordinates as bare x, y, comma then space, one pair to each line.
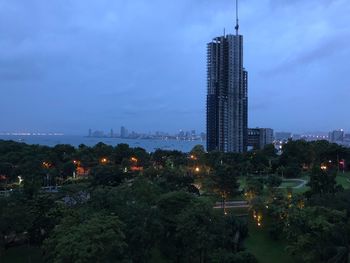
104, 160
323, 167
197, 169
20, 180
46, 165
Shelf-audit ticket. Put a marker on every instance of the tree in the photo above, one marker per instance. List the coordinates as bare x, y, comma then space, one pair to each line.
172, 179
196, 232
68, 169
235, 232
170, 206
198, 154
316, 234
296, 153
254, 186
134, 202
122, 151
106, 175
225, 179
273, 181
98, 239
322, 182
292, 170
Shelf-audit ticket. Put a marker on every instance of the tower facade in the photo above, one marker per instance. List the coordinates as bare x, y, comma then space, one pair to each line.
227, 95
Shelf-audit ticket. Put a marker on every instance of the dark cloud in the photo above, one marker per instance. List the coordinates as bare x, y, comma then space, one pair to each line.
73, 65
326, 48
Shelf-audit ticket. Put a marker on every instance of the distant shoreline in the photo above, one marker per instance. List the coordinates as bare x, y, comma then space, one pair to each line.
149, 144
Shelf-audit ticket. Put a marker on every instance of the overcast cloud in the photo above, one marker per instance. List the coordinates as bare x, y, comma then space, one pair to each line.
71, 65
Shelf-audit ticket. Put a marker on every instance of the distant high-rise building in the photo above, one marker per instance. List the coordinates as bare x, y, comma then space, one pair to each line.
203, 136
98, 134
347, 137
124, 132
111, 133
259, 137
336, 136
227, 94
90, 133
181, 134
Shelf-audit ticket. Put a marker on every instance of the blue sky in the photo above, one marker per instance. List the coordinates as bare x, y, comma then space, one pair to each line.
73, 65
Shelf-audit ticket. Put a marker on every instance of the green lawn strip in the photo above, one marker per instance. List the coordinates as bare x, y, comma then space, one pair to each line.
301, 190
286, 184
265, 249
343, 180
22, 254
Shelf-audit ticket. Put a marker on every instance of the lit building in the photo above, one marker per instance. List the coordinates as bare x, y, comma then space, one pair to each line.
227, 94
259, 137
336, 136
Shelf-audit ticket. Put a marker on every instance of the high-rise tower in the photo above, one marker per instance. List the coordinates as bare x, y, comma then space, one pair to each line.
227, 97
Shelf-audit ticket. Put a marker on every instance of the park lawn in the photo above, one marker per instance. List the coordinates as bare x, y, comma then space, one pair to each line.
242, 182
343, 180
265, 249
301, 190
22, 254
286, 184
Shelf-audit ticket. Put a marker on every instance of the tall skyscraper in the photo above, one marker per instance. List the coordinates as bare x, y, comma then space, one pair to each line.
227, 97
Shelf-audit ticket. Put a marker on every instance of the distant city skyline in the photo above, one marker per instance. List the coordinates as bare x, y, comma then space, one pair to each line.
70, 67
116, 131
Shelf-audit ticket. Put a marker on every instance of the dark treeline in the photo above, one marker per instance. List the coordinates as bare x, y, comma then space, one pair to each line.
122, 204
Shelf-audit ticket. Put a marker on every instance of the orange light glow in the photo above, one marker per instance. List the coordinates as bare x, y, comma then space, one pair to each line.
323, 167
193, 157
46, 164
104, 160
133, 159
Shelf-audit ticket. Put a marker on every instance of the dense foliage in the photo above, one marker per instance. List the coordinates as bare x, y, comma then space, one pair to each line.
122, 204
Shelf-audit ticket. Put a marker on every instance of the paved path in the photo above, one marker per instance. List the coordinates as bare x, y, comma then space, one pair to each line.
232, 204
301, 182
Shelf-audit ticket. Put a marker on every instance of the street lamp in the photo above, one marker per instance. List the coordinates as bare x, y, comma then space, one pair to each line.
104, 160
20, 180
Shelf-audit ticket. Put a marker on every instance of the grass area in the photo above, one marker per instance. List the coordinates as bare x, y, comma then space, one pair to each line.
22, 254
344, 180
265, 249
242, 182
286, 184
301, 190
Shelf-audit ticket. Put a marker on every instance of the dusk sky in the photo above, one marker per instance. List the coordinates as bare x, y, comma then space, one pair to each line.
67, 66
